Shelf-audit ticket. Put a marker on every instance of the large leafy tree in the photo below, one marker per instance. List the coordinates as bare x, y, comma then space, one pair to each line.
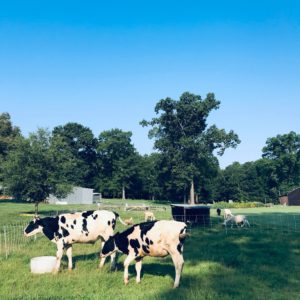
118, 161
284, 153
31, 172
186, 142
8, 136
79, 144
148, 173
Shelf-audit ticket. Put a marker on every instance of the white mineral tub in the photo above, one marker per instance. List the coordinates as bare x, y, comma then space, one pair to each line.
42, 264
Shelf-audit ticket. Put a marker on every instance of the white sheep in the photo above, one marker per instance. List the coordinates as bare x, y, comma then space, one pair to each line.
239, 220
227, 214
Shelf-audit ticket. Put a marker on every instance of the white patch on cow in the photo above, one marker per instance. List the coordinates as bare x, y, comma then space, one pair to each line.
34, 232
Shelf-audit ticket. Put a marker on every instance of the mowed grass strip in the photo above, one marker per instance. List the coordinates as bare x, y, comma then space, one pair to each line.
243, 264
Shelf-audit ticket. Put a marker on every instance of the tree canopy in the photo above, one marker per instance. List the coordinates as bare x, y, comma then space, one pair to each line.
184, 139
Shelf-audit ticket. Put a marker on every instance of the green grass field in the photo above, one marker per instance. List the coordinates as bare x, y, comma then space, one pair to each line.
257, 263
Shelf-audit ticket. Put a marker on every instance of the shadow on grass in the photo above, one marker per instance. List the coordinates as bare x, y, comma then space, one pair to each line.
240, 266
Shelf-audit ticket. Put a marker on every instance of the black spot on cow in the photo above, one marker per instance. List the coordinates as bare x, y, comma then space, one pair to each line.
87, 213
50, 226
63, 219
135, 245
116, 214
145, 249
145, 227
67, 225
121, 239
113, 223
72, 226
147, 241
84, 225
86, 234
59, 235
109, 246
74, 222
179, 248
95, 216
151, 242
108, 223
65, 232
182, 230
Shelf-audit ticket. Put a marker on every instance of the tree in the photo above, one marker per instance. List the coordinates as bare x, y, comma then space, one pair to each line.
80, 144
31, 173
284, 153
148, 172
118, 162
184, 140
8, 136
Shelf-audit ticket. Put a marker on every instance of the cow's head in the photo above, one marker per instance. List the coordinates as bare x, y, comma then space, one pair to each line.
34, 227
109, 247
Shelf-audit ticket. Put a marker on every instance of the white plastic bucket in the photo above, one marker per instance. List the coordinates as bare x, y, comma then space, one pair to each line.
42, 264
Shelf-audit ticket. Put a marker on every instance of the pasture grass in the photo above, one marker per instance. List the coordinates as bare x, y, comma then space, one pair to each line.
242, 264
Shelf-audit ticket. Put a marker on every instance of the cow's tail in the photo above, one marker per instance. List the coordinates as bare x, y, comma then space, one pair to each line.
183, 234
118, 217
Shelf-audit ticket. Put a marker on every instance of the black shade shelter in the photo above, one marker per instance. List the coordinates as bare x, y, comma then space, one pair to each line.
196, 214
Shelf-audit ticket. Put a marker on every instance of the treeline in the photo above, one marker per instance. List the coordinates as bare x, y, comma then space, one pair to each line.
183, 168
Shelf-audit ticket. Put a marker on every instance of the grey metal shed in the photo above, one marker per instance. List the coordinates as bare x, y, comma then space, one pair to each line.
79, 195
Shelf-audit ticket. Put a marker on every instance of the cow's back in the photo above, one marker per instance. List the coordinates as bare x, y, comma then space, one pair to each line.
87, 226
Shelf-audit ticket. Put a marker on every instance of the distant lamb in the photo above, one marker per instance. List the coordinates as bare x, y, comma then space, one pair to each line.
239, 220
128, 221
149, 216
227, 213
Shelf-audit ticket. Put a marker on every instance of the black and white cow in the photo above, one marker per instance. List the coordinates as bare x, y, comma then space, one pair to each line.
156, 238
67, 229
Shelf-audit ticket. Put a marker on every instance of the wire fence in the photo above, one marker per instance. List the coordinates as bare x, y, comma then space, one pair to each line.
12, 237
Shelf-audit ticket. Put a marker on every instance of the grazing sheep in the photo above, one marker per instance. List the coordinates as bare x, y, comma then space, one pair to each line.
128, 221
239, 220
149, 216
227, 213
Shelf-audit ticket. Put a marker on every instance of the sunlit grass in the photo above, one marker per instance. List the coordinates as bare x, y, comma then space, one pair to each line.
242, 264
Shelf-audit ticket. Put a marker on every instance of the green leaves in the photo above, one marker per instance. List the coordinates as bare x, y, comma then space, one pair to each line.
182, 137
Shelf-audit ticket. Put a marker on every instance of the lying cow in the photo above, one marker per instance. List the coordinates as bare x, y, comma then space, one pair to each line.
238, 220
67, 229
156, 238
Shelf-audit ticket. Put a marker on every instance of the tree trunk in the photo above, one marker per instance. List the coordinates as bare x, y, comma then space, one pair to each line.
192, 193
36, 208
123, 193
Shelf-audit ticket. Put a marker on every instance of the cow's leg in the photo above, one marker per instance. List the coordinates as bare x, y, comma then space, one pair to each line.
113, 260
59, 255
102, 259
127, 262
178, 263
138, 268
69, 254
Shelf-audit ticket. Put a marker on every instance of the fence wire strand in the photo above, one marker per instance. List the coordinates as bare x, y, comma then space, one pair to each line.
12, 238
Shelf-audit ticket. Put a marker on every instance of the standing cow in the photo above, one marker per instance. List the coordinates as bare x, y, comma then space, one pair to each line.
67, 229
156, 238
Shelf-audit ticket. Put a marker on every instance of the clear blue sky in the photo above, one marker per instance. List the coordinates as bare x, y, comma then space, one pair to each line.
105, 64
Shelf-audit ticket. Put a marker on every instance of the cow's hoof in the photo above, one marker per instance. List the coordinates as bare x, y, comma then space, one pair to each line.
126, 281
70, 270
